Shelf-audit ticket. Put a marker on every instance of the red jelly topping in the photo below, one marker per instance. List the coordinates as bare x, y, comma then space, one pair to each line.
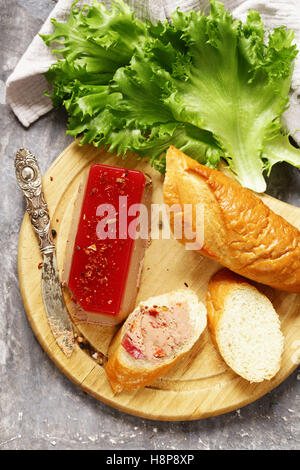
99, 267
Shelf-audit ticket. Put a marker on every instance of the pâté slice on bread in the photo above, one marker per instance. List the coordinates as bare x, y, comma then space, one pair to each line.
155, 336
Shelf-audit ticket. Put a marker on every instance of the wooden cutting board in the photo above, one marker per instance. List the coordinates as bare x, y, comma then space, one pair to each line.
199, 386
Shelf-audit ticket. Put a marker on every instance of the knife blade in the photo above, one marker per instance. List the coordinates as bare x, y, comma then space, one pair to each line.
30, 181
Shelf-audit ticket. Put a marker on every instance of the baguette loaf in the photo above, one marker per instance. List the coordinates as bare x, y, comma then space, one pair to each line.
240, 231
154, 337
244, 326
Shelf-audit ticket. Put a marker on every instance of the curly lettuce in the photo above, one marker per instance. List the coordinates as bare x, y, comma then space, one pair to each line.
209, 85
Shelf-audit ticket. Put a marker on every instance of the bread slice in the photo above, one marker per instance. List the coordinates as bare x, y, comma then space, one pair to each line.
126, 372
244, 326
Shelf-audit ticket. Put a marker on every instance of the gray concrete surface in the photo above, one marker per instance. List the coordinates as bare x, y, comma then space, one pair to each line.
39, 407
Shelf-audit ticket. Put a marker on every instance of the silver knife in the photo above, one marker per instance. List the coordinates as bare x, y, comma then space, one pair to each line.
30, 180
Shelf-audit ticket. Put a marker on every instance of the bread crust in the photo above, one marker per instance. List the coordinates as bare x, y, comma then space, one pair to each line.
219, 287
240, 231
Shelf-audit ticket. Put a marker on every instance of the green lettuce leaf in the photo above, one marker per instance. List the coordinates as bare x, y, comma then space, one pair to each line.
280, 150
209, 85
236, 86
91, 46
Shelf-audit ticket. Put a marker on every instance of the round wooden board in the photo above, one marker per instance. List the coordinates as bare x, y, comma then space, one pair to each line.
201, 385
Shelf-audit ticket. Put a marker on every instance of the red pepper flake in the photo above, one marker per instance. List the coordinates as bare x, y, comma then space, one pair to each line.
92, 247
159, 353
153, 312
57, 220
51, 178
40, 265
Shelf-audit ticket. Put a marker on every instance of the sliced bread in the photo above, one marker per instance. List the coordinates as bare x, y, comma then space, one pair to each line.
244, 326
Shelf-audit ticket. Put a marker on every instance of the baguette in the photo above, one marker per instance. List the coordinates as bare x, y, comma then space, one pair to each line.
240, 231
154, 337
244, 326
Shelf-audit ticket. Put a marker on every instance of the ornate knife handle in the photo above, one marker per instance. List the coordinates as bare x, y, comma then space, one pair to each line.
30, 180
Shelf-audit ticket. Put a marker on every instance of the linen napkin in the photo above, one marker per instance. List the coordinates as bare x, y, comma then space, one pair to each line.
26, 85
